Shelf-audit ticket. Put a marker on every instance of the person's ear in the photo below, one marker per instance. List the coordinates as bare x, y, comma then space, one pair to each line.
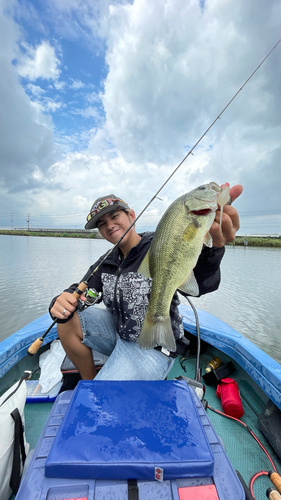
132, 215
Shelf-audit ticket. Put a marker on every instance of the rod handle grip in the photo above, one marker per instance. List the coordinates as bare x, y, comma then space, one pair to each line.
80, 289
276, 480
272, 494
35, 346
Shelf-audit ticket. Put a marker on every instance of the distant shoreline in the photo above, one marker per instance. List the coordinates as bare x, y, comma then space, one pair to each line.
251, 241
257, 241
52, 234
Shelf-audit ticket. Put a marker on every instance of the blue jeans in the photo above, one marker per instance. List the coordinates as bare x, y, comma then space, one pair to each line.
126, 360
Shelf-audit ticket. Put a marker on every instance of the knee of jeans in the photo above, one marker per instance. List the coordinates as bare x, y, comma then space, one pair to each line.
71, 326
97, 323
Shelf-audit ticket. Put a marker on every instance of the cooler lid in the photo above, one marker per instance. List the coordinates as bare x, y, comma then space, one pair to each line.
131, 429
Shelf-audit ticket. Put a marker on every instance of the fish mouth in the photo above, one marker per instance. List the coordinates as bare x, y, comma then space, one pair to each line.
204, 211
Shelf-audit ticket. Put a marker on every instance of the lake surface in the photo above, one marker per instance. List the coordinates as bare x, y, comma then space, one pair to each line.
34, 270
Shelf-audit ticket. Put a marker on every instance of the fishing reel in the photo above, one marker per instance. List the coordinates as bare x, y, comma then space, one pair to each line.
92, 296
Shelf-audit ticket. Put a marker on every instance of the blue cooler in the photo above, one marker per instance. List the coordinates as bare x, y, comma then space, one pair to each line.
129, 439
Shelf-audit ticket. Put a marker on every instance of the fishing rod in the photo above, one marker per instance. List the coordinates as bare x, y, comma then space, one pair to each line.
81, 288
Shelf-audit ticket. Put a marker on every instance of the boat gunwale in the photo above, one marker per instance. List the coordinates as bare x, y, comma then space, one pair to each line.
264, 370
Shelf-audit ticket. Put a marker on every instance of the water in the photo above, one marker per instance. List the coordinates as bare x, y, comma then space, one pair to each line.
34, 270
249, 295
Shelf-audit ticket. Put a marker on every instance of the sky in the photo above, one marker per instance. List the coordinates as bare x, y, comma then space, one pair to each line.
107, 97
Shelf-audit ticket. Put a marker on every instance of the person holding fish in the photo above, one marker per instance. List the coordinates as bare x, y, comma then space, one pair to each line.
139, 281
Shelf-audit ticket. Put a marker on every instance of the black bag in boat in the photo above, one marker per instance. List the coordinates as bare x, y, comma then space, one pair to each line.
215, 376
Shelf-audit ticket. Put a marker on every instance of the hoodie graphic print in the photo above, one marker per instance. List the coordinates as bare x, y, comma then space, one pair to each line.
127, 298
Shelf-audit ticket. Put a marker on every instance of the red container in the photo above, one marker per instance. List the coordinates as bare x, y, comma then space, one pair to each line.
228, 393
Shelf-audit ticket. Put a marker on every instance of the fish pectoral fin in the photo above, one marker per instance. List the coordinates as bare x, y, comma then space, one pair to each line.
190, 286
208, 240
191, 230
144, 267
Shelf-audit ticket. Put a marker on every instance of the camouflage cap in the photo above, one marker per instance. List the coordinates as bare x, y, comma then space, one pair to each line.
102, 206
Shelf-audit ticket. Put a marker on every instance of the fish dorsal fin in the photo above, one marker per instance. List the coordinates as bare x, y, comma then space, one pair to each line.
208, 240
190, 286
144, 267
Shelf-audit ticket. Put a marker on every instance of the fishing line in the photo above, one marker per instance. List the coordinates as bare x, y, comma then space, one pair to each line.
197, 367
84, 282
190, 152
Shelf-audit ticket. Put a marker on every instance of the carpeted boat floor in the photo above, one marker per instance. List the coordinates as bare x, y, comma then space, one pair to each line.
35, 418
243, 451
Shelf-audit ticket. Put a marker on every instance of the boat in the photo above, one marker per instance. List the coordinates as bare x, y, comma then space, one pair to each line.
216, 455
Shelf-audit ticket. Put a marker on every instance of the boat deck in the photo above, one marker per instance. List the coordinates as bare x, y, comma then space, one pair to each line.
244, 452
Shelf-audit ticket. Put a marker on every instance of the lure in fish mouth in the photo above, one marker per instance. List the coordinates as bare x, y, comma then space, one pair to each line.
174, 251
218, 196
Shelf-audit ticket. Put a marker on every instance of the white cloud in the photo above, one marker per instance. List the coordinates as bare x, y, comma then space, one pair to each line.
59, 85
77, 84
82, 20
89, 112
171, 68
40, 62
94, 97
26, 139
52, 106
170, 74
35, 90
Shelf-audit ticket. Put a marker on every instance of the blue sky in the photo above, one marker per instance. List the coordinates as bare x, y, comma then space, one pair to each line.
108, 96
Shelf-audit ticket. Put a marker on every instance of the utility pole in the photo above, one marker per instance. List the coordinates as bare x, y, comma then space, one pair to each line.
12, 222
28, 220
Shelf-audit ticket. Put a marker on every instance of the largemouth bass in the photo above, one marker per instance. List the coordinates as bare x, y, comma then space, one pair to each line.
174, 251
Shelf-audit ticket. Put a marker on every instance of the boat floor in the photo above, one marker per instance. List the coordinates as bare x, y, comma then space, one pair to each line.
244, 452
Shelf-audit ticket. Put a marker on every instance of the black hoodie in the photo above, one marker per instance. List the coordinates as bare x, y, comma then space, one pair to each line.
126, 293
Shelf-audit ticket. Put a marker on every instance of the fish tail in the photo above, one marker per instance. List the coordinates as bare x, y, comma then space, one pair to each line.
157, 332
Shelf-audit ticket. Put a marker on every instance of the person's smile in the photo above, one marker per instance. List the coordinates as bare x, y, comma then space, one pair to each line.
113, 231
